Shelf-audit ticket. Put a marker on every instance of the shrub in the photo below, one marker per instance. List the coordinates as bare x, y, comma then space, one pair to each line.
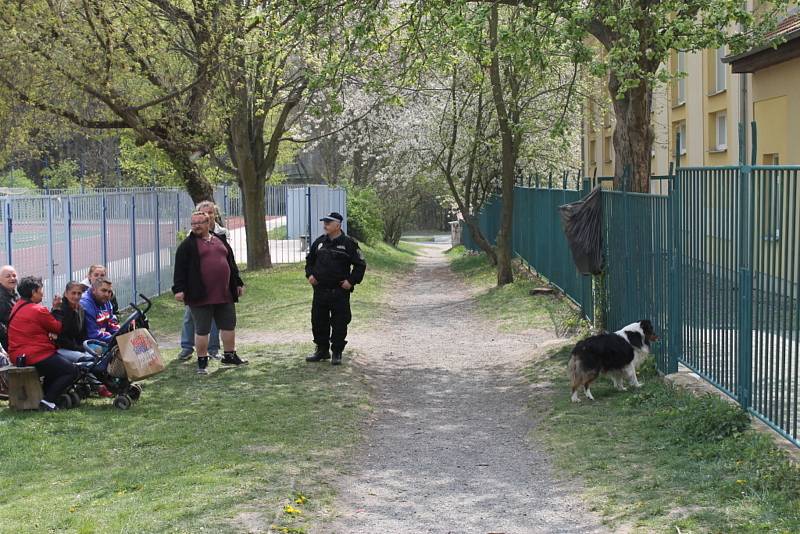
16, 179
364, 218
691, 419
62, 175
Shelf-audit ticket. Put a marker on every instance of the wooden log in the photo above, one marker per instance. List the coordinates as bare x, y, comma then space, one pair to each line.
24, 388
541, 291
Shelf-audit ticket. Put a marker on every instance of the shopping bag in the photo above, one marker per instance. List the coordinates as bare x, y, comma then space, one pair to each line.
140, 355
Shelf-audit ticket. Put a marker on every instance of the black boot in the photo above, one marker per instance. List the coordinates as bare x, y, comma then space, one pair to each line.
231, 358
321, 353
337, 357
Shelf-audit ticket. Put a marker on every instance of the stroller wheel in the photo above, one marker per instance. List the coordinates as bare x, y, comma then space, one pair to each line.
134, 392
64, 401
75, 397
123, 402
83, 391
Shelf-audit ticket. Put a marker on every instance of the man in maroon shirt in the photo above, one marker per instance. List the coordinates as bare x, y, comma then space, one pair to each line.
207, 280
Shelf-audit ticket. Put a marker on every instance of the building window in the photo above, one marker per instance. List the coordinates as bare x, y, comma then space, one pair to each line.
680, 83
592, 152
773, 205
679, 129
608, 150
720, 71
720, 131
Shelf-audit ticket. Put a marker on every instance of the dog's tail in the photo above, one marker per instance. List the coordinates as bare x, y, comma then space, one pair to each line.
580, 375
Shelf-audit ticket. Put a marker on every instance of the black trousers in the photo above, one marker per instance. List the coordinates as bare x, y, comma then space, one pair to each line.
330, 315
59, 373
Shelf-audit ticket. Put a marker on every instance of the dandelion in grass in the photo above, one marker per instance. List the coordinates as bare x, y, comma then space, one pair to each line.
291, 510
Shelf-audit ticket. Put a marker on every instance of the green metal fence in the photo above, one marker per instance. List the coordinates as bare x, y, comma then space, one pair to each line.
714, 263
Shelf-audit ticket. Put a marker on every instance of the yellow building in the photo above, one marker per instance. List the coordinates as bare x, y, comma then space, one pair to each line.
775, 94
706, 105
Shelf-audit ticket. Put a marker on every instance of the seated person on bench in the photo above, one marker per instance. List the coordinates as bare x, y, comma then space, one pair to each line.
31, 331
73, 324
101, 324
95, 272
74, 330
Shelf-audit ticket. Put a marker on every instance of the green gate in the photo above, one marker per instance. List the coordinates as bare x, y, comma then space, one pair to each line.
714, 263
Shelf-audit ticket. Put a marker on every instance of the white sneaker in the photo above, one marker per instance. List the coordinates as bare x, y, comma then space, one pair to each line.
202, 371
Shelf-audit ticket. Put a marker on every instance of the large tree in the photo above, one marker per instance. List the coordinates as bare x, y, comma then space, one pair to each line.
148, 66
637, 38
285, 59
530, 78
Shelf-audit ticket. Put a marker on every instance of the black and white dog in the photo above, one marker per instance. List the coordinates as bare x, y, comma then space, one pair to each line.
618, 355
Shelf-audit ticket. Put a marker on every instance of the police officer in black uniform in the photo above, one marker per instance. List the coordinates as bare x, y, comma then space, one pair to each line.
328, 269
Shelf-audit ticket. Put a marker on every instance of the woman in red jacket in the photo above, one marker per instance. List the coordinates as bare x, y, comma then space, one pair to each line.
31, 333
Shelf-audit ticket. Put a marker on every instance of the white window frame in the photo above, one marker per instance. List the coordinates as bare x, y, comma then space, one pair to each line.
681, 129
720, 71
721, 127
681, 82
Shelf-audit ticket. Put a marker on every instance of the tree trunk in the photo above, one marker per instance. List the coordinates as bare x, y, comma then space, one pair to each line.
480, 239
196, 185
258, 254
245, 152
633, 135
505, 274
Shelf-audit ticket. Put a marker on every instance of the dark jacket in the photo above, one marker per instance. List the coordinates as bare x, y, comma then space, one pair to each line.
73, 326
187, 277
330, 261
7, 301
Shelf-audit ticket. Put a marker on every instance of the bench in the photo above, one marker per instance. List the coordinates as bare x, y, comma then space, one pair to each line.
24, 387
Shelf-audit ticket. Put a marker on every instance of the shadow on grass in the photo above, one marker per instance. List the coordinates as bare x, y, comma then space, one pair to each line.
195, 451
279, 299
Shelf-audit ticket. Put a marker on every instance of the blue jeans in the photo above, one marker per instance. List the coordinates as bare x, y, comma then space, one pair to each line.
75, 356
187, 334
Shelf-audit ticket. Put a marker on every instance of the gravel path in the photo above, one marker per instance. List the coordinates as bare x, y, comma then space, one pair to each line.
448, 448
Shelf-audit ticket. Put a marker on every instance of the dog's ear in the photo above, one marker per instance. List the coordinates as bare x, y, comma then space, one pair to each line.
634, 338
649, 331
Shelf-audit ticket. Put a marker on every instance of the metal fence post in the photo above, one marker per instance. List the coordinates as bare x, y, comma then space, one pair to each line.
157, 260
104, 232
745, 364
225, 210
8, 227
51, 263
68, 229
133, 245
177, 214
308, 194
675, 229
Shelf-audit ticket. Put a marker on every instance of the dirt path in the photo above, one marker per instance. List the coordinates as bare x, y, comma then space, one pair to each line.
448, 449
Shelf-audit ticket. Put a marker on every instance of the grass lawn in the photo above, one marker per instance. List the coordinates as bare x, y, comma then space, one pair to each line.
279, 299
511, 306
238, 450
654, 460
663, 460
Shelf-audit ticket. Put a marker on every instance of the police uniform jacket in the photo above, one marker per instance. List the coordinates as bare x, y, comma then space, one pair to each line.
333, 260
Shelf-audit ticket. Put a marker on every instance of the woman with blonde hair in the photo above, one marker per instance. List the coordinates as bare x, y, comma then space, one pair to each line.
187, 331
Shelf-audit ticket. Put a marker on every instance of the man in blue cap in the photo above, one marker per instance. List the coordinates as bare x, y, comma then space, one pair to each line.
334, 265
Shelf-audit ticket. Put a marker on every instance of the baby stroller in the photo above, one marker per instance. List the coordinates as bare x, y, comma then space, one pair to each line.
107, 367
